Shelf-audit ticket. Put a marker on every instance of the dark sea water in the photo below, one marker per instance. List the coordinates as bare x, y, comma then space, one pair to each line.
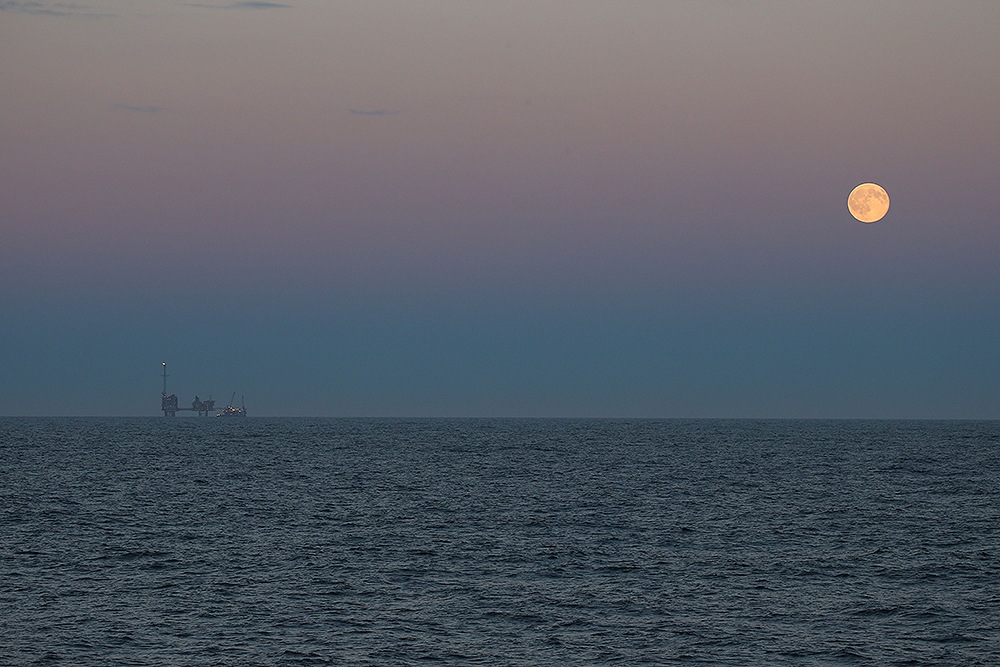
498, 542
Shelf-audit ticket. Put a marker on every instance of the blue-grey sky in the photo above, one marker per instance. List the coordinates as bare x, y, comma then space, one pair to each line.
450, 208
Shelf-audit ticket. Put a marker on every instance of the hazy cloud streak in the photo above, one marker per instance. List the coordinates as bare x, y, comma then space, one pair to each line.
374, 112
142, 109
55, 9
259, 4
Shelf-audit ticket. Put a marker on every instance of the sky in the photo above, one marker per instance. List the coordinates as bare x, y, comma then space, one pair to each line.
444, 208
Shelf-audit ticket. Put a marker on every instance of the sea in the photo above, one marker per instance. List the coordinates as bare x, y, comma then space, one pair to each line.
207, 541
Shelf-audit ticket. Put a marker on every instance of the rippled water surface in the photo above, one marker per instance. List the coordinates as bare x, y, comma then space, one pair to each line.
502, 542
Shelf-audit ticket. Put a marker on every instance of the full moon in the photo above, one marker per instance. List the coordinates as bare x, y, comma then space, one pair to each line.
868, 202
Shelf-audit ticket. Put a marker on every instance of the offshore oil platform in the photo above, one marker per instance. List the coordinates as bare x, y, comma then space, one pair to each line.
170, 408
